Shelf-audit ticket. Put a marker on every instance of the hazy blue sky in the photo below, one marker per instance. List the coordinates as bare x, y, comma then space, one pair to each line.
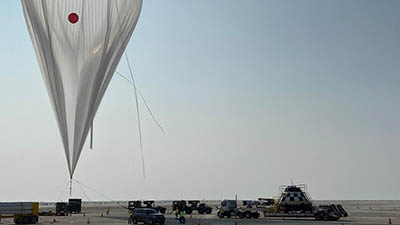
253, 94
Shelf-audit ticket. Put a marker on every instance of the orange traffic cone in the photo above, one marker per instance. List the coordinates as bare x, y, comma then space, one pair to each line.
88, 221
390, 220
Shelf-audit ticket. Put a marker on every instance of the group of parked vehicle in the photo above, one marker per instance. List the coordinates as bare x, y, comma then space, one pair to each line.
149, 213
293, 201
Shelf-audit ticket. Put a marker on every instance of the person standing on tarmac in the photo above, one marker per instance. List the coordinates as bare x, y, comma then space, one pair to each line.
182, 219
130, 217
177, 213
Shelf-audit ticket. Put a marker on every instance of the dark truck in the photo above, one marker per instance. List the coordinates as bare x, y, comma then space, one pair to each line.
74, 205
147, 204
61, 209
191, 206
197, 205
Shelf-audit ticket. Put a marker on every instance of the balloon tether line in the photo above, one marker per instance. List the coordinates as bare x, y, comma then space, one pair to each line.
62, 193
83, 192
138, 115
93, 190
145, 103
136, 98
70, 187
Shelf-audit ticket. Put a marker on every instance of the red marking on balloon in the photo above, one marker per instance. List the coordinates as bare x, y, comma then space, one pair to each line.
73, 18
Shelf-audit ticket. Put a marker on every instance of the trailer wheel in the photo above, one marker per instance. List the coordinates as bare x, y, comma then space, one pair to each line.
200, 210
208, 210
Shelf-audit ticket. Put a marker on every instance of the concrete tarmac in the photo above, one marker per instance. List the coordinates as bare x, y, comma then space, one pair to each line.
361, 212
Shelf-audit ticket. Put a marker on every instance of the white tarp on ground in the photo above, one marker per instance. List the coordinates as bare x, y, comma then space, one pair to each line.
79, 44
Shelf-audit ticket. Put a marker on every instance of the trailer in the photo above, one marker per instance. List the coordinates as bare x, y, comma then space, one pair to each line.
21, 212
325, 213
294, 201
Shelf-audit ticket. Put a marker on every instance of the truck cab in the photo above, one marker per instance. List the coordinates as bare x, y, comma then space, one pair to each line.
61, 209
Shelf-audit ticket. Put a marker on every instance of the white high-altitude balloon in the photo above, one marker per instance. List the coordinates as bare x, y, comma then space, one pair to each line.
79, 44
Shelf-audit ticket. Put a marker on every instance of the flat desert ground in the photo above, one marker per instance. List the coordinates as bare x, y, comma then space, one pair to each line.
361, 212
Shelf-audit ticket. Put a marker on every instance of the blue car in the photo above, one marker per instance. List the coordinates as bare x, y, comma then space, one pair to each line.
147, 216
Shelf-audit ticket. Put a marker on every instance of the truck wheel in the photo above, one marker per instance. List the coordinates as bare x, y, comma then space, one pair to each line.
34, 219
150, 222
208, 210
241, 215
248, 215
17, 220
25, 220
188, 211
256, 215
134, 221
